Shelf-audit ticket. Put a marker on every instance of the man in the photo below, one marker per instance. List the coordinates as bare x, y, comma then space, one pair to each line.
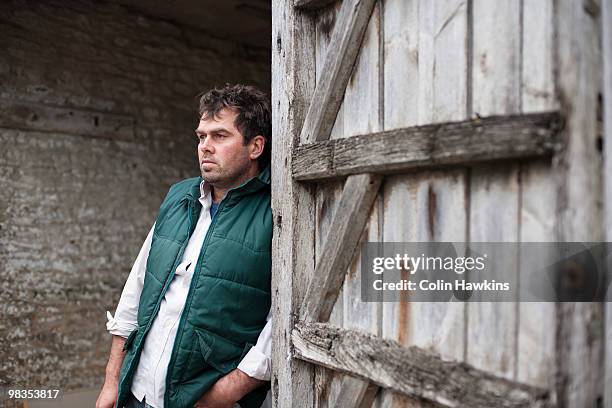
192, 326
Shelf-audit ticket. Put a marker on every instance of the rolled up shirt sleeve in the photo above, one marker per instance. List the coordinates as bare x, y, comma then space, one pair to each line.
125, 319
257, 362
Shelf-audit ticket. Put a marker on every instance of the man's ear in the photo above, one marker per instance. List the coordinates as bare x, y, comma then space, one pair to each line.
256, 146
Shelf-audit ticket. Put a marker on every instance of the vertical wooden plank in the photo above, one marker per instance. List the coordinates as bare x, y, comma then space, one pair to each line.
579, 342
578, 81
292, 204
430, 207
328, 193
494, 191
400, 22
359, 115
401, 79
400, 67
361, 100
536, 325
537, 68
327, 383
496, 56
362, 114
439, 207
606, 24
425, 63
442, 61
493, 218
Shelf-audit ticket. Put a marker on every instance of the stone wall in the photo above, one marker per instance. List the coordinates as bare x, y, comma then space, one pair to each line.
96, 121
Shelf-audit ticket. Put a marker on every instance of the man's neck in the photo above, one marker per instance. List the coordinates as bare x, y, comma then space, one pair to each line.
219, 192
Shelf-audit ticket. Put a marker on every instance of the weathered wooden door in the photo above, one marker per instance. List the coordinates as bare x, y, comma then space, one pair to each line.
432, 120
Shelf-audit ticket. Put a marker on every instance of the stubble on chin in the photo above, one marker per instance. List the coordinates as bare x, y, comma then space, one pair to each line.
210, 177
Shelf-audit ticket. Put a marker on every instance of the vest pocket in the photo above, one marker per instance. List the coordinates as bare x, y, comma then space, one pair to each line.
221, 355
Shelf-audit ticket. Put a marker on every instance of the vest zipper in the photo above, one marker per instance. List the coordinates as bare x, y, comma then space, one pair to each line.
194, 281
168, 280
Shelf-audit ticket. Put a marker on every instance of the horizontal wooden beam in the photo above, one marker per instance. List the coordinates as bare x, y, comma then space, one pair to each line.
456, 143
344, 45
409, 370
346, 227
312, 4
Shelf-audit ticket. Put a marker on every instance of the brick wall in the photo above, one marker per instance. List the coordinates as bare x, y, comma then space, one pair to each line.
96, 121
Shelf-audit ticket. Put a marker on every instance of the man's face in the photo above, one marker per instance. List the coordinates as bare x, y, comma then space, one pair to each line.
224, 158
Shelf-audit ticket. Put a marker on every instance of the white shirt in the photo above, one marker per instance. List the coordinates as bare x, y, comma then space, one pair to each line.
150, 376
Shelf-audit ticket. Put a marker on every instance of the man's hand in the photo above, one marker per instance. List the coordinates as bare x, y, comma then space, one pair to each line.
228, 390
108, 394
107, 397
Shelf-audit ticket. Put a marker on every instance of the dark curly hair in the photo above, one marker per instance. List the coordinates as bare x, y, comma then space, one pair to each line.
253, 109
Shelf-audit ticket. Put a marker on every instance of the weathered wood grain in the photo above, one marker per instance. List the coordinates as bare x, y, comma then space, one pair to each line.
346, 40
356, 393
292, 204
430, 207
402, 105
60, 119
438, 211
606, 23
537, 201
496, 57
425, 82
361, 113
327, 199
409, 370
442, 61
536, 325
362, 98
325, 23
537, 91
456, 143
491, 326
327, 382
578, 170
346, 228
495, 189
401, 63
312, 4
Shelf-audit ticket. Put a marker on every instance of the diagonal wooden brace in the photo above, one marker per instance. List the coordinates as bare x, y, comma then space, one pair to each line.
344, 47
346, 227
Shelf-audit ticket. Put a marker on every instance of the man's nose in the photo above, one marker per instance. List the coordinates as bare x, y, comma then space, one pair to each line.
206, 145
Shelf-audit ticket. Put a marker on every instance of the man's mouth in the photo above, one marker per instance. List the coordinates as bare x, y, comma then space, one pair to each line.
207, 162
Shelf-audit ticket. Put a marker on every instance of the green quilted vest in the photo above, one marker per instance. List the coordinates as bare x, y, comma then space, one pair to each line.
229, 296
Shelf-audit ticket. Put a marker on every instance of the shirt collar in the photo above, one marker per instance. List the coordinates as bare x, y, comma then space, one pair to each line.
204, 189
205, 196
